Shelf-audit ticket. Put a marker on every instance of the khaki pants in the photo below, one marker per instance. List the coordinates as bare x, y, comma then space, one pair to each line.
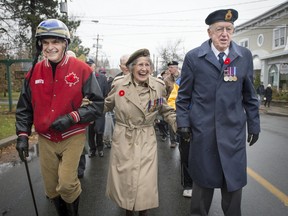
59, 163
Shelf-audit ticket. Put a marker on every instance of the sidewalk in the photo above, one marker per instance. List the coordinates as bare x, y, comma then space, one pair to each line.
274, 110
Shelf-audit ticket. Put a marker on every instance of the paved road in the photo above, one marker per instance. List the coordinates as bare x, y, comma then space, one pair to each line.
16, 199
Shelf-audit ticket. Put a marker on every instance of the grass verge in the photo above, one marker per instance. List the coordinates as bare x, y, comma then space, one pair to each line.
7, 126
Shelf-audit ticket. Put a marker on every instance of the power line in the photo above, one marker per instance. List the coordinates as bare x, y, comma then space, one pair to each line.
180, 11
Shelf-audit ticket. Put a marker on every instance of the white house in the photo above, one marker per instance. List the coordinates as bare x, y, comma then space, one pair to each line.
267, 38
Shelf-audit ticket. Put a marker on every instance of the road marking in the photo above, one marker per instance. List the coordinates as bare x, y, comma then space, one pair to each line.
274, 190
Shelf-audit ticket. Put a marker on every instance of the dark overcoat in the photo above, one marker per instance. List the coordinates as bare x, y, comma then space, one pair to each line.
217, 112
100, 121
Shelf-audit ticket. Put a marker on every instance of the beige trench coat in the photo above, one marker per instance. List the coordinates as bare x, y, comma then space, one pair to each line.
132, 175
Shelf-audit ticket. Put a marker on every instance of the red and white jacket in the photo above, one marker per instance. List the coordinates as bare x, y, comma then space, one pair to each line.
45, 98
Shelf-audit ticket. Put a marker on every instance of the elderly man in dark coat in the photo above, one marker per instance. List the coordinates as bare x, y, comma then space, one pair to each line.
216, 99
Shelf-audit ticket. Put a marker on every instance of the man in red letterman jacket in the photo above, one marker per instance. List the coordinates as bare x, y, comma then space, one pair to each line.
51, 100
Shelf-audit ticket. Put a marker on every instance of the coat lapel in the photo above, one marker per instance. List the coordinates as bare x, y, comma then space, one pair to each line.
209, 55
131, 92
233, 54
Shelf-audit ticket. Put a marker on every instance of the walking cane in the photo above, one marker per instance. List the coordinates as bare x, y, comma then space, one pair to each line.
30, 184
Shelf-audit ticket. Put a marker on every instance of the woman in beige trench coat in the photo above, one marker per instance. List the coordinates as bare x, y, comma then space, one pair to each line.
136, 99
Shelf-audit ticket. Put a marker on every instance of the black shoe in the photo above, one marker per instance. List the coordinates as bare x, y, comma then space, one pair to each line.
101, 153
60, 206
92, 154
129, 213
108, 145
80, 175
143, 213
72, 208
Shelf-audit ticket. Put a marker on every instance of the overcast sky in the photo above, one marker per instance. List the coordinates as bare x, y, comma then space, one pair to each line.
127, 25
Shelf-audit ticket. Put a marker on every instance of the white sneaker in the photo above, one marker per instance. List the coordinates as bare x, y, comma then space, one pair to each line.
187, 193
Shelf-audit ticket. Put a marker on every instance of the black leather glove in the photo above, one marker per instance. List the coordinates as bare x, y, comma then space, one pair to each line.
22, 147
252, 138
185, 133
62, 123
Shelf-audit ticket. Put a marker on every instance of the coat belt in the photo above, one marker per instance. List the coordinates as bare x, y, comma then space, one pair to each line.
132, 127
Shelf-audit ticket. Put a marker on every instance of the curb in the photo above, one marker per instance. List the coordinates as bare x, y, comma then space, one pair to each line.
7, 141
272, 113
276, 114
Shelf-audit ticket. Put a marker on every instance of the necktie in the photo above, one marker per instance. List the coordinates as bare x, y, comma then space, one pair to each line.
220, 55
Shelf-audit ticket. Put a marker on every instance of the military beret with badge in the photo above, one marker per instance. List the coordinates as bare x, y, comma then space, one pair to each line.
137, 54
224, 15
172, 63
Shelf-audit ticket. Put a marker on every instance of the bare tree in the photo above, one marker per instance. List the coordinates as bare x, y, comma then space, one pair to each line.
172, 51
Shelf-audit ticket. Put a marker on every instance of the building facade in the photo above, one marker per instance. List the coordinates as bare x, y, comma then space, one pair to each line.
267, 38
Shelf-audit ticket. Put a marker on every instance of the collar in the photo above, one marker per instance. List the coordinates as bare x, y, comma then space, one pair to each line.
216, 52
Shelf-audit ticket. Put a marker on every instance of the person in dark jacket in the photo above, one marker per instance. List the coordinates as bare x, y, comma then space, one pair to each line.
216, 100
96, 128
50, 100
268, 95
260, 92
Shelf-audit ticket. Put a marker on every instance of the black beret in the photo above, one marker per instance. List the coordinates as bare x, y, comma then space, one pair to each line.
172, 63
89, 61
163, 72
224, 15
139, 53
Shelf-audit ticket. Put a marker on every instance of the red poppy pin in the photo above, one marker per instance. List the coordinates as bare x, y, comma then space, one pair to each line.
121, 93
227, 61
71, 79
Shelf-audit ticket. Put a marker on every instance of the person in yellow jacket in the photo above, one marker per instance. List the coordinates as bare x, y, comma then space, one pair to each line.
173, 75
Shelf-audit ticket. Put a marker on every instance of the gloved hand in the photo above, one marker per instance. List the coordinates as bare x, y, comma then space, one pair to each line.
184, 133
62, 123
252, 138
22, 147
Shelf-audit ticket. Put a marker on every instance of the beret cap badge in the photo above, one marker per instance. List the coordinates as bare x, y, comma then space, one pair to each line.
228, 15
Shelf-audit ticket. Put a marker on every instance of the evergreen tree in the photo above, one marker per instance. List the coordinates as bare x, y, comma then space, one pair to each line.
22, 18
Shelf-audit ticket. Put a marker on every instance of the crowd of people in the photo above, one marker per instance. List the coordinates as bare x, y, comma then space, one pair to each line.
203, 108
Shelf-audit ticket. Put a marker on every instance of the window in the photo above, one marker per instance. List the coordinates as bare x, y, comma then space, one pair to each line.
279, 35
260, 40
244, 43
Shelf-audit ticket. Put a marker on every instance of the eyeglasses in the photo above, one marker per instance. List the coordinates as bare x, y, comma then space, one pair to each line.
221, 29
